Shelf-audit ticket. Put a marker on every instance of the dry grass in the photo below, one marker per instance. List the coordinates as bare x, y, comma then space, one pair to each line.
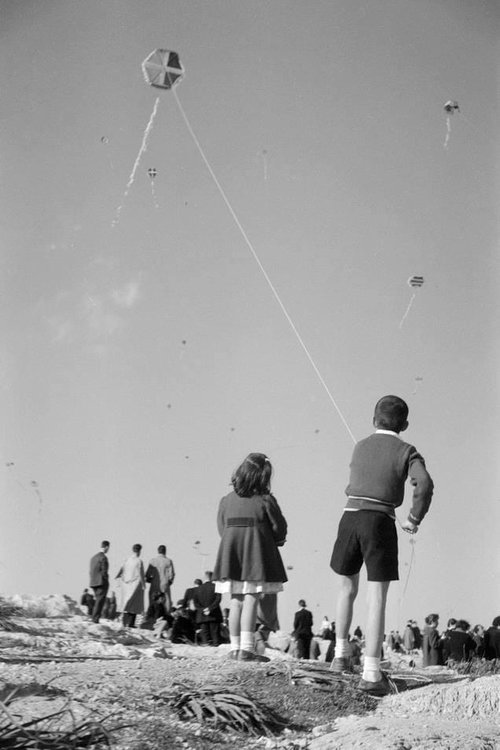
222, 707
47, 733
475, 667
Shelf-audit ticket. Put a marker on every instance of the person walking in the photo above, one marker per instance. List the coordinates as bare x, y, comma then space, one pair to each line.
160, 575
133, 583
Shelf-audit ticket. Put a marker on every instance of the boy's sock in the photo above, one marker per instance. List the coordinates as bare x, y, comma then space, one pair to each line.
247, 642
235, 640
371, 669
342, 648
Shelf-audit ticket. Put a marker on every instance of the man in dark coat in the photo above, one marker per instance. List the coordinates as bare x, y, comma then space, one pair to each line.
208, 611
492, 640
99, 579
302, 630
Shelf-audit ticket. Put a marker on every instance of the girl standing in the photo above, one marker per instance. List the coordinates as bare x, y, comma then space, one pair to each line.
249, 565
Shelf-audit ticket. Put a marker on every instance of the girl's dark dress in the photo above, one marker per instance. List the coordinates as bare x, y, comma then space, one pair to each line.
248, 559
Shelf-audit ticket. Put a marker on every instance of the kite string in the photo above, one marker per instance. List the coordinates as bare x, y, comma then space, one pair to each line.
142, 149
257, 260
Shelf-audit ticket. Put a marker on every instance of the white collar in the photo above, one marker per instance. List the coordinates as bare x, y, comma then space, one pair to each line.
387, 432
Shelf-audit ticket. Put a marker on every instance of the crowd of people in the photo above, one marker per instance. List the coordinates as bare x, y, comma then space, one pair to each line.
196, 618
249, 568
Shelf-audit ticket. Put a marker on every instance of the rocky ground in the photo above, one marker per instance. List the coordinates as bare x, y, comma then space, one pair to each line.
124, 681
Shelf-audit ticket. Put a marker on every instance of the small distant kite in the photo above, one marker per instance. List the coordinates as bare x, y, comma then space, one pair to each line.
418, 379
289, 567
104, 139
451, 108
162, 69
415, 282
152, 174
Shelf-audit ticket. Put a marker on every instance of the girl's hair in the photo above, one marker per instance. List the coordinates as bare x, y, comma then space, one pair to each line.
253, 476
463, 625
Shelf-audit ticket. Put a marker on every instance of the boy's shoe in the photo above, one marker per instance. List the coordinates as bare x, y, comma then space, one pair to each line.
341, 665
234, 654
251, 656
377, 689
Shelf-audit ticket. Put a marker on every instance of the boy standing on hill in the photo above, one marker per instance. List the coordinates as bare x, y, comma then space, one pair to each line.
367, 533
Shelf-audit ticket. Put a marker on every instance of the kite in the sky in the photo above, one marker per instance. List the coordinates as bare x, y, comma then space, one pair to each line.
162, 69
451, 108
415, 282
418, 379
152, 174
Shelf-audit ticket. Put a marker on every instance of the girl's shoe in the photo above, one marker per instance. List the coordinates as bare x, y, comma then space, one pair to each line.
251, 656
233, 654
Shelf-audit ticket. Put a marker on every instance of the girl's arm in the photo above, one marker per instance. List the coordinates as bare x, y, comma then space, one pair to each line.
277, 520
221, 517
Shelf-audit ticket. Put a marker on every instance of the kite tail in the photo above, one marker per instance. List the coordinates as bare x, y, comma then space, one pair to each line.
259, 263
407, 310
265, 167
153, 193
142, 149
448, 132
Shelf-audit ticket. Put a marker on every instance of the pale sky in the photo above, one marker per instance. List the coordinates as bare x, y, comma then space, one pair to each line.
141, 363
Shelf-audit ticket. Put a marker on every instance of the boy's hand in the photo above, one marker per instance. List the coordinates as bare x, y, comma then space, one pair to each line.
409, 527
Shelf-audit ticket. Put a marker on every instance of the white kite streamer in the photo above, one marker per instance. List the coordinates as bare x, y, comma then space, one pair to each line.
142, 149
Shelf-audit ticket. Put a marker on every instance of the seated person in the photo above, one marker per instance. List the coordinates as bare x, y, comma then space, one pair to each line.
157, 617
183, 627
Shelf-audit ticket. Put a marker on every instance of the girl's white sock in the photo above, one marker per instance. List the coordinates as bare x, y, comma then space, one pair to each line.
247, 641
371, 669
342, 648
235, 642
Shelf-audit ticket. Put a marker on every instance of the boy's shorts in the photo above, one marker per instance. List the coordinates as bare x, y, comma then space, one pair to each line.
367, 536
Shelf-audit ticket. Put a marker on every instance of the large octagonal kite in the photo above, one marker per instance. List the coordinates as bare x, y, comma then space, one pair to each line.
163, 69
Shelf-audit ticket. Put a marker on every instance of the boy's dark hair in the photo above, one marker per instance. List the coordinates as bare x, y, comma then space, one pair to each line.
463, 625
496, 622
253, 476
162, 549
105, 543
137, 548
391, 413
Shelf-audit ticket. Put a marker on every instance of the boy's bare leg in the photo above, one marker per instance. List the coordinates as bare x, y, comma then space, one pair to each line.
377, 597
345, 605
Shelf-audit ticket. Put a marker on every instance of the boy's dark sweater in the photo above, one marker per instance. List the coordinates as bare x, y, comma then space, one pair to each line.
380, 465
